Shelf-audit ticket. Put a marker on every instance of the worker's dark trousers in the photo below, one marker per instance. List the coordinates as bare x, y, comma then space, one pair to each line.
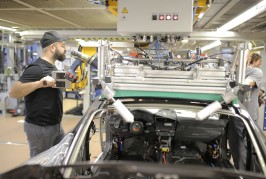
237, 143
42, 138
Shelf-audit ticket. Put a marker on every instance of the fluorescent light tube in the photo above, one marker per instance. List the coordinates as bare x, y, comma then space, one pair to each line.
256, 48
200, 15
7, 28
211, 45
252, 12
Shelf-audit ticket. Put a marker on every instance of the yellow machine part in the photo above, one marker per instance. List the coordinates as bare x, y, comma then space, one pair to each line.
201, 7
200, 4
165, 149
82, 84
112, 7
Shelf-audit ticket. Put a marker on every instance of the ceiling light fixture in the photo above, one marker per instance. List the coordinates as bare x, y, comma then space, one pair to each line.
7, 29
211, 45
256, 48
79, 40
200, 15
250, 13
97, 2
184, 41
208, 3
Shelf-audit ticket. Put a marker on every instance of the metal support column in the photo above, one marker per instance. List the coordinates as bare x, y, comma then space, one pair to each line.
244, 47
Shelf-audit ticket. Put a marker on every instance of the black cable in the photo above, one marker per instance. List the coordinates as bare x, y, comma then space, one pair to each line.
204, 58
146, 54
117, 53
82, 73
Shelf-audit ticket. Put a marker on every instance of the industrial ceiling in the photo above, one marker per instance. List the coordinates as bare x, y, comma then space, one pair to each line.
87, 19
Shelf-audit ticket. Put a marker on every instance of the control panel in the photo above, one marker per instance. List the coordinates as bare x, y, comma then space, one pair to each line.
150, 17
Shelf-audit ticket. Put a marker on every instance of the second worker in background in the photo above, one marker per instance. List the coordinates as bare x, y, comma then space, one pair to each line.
254, 78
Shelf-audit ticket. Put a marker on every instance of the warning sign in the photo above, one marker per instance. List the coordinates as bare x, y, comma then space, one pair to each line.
124, 11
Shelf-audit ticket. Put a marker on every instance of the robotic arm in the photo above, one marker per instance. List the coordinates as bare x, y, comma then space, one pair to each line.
106, 89
71, 74
80, 58
216, 105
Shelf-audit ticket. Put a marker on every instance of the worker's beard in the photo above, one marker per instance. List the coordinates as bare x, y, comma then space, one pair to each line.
59, 56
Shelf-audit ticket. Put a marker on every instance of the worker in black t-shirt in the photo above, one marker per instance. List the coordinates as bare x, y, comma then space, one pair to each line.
43, 102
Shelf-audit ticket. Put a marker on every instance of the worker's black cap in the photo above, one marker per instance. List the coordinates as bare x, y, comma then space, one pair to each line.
51, 37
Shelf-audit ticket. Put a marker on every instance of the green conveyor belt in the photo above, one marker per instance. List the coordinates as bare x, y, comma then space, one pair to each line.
196, 96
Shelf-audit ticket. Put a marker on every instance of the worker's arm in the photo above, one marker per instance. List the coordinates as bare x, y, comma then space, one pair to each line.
250, 82
254, 78
20, 89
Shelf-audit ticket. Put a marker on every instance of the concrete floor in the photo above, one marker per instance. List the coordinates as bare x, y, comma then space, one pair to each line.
13, 143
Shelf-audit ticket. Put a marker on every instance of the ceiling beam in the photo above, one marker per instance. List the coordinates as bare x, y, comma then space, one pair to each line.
228, 35
44, 12
37, 34
11, 22
256, 25
195, 35
222, 12
52, 9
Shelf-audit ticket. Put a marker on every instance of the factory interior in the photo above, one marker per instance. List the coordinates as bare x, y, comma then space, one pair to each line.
171, 37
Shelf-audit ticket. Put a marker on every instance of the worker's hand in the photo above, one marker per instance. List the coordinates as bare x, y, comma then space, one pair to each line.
249, 82
48, 82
